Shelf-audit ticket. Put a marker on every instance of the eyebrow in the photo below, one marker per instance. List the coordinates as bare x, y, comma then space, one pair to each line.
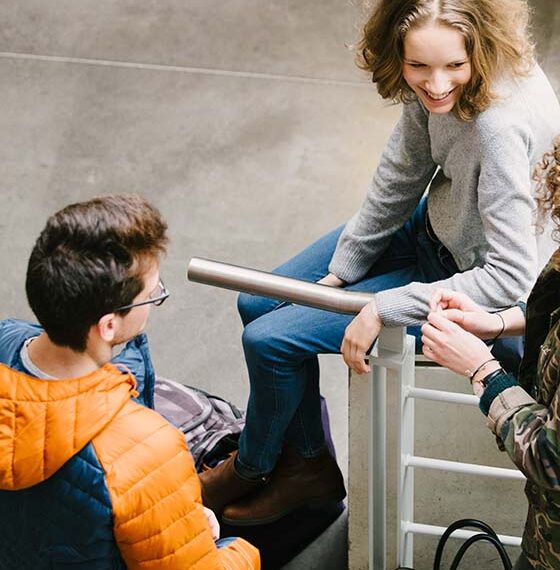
460, 60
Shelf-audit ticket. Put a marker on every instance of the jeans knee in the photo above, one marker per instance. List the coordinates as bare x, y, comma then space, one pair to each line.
246, 306
256, 341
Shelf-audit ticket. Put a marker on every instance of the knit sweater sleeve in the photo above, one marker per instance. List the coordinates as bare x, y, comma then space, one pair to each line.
510, 264
403, 173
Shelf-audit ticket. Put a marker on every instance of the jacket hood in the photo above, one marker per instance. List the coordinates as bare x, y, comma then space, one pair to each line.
44, 423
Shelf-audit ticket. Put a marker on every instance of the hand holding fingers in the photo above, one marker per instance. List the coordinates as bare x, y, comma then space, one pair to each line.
437, 300
480, 323
445, 299
440, 322
454, 315
448, 344
430, 342
449, 299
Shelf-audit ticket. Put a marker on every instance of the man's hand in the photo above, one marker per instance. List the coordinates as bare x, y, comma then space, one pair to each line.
359, 336
213, 522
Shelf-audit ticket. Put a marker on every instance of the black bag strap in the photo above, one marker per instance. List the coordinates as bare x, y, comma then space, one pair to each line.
488, 535
476, 538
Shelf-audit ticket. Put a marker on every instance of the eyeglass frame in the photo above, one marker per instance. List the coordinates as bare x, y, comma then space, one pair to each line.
157, 301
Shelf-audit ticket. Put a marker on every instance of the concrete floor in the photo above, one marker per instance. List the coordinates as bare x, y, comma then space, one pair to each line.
245, 122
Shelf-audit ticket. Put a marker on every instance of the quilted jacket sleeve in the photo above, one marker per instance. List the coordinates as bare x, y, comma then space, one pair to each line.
158, 519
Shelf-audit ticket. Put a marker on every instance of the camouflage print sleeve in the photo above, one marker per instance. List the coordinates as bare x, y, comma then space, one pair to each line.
530, 434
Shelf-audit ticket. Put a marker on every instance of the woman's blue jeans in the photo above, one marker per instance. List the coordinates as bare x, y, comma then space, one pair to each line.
281, 341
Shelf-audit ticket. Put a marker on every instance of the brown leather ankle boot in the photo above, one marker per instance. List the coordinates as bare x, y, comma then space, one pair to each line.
295, 482
223, 485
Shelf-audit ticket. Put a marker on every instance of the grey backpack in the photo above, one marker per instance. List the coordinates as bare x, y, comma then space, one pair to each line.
211, 424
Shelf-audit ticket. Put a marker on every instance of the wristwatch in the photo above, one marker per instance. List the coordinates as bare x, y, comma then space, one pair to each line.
487, 379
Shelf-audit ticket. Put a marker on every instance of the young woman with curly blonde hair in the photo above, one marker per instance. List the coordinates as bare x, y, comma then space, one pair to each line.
477, 114
523, 412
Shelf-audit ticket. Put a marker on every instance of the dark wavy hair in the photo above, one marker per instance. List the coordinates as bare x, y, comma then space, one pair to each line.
496, 39
89, 260
547, 193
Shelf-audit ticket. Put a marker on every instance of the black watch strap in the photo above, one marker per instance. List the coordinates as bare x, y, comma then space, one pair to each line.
487, 379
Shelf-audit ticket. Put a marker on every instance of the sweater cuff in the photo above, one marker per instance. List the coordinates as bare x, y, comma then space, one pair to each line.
505, 405
350, 266
396, 309
495, 386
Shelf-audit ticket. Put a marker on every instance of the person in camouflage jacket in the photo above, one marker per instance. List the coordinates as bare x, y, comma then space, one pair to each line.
523, 413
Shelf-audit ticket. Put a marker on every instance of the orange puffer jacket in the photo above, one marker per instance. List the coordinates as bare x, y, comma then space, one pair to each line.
84, 439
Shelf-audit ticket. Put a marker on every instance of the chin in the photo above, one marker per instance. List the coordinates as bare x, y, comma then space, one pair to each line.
127, 335
438, 109
442, 110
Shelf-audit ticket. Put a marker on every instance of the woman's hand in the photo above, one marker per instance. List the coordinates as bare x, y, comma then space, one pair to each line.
331, 280
461, 309
446, 343
359, 336
447, 299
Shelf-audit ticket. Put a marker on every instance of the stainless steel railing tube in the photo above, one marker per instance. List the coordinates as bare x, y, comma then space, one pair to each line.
274, 286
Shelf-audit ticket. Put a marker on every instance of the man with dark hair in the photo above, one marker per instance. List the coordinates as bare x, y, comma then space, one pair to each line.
88, 477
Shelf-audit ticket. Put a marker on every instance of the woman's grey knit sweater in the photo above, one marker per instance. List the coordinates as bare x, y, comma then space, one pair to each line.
479, 201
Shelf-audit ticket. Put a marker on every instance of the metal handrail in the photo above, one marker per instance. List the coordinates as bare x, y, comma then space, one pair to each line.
278, 287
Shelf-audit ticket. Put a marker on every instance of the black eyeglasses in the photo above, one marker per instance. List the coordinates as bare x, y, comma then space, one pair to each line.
156, 298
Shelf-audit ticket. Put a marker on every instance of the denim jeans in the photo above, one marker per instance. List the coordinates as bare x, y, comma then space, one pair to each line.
281, 341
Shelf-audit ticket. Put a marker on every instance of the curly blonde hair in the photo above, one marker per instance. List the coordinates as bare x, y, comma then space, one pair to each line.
496, 39
547, 193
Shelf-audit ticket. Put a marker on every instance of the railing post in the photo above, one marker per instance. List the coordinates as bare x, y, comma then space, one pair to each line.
405, 427
378, 467
367, 467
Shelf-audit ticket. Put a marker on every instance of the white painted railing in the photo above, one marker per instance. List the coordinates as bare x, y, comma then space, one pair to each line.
368, 456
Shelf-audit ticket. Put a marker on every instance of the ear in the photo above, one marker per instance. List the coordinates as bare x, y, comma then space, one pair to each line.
107, 327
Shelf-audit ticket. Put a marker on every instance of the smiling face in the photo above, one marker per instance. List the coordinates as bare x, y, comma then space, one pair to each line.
436, 65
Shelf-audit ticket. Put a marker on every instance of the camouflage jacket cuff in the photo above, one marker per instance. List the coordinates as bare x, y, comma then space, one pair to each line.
505, 405
497, 384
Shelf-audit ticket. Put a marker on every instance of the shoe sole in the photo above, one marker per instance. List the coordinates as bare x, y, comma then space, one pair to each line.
313, 504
